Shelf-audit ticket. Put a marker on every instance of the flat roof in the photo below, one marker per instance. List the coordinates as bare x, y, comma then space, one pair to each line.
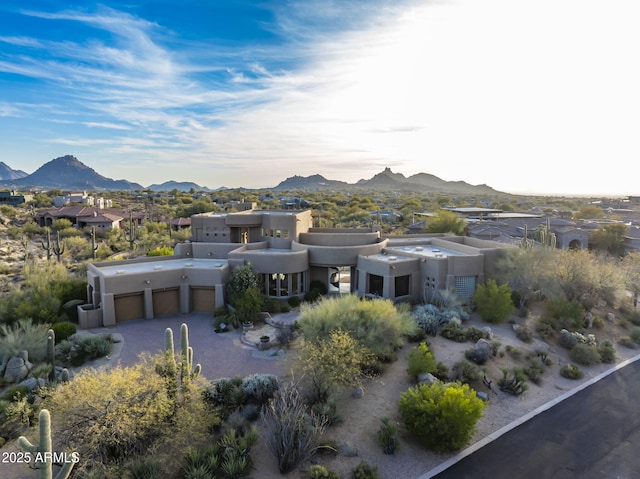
160, 265
427, 250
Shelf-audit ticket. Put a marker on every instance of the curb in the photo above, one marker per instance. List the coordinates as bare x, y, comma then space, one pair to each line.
539, 410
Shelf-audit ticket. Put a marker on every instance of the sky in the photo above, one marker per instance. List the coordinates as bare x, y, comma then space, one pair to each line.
528, 97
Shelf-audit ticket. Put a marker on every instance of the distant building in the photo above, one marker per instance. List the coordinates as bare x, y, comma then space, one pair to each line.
81, 198
12, 198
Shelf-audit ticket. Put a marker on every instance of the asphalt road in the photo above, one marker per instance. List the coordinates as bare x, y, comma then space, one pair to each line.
593, 434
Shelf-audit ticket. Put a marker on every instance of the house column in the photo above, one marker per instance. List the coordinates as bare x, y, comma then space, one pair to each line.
148, 303
184, 298
108, 310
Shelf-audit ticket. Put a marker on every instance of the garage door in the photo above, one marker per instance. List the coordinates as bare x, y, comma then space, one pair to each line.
203, 299
129, 306
166, 301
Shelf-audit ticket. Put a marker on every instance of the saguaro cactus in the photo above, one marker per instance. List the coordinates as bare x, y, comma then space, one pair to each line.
94, 246
47, 246
188, 372
42, 453
183, 365
58, 246
51, 354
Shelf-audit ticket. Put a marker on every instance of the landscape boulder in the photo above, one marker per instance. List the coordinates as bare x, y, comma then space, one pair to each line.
16, 370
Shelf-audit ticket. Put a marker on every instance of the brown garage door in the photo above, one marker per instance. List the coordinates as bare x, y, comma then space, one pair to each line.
166, 301
203, 299
129, 306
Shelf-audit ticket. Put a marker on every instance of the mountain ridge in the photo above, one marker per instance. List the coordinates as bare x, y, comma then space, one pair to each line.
69, 173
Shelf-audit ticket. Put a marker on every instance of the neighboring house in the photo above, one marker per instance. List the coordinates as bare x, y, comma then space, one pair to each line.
289, 253
81, 199
82, 216
177, 224
12, 198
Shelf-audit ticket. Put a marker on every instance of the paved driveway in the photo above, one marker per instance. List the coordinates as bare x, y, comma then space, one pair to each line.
221, 355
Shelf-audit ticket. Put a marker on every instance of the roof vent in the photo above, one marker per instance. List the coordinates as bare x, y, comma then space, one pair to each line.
393, 258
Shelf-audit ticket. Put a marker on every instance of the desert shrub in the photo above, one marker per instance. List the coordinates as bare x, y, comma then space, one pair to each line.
571, 371
429, 318
454, 332
317, 471
328, 411
535, 370
24, 335
312, 296
442, 416
627, 342
561, 308
388, 435
513, 381
523, 333
109, 415
365, 471
291, 432
473, 334
420, 360
87, 348
63, 330
607, 352
493, 302
567, 340
148, 467
585, 354
546, 326
635, 335
318, 285
632, 316
272, 305
161, 251
466, 372
259, 388
377, 324
249, 304
515, 353
442, 371
294, 301
330, 364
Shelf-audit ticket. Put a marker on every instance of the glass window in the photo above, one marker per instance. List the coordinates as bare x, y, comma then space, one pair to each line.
376, 284
402, 285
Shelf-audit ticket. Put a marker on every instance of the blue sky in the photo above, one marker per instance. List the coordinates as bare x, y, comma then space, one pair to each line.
525, 96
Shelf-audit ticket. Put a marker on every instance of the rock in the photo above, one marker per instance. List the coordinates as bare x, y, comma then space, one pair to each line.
33, 383
347, 449
483, 396
358, 392
427, 378
610, 317
481, 351
488, 331
588, 317
16, 370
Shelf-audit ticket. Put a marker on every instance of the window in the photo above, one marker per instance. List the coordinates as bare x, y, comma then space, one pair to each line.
285, 233
402, 284
376, 284
465, 286
278, 233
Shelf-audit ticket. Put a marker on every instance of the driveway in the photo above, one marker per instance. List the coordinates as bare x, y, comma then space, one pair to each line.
220, 354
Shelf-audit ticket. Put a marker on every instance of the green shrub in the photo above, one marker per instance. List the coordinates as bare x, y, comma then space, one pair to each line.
627, 342
474, 334
546, 327
561, 308
294, 301
493, 302
420, 360
466, 372
607, 352
513, 381
241, 279
571, 371
318, 285
635, 335
322, 472
442, 416
364, 471
388, 435
378, 325
524, 334
453, 331
161, 251
63, 330
585, 354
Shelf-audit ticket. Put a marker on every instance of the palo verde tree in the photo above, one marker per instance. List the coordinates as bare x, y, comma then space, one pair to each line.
446, 222
493, 302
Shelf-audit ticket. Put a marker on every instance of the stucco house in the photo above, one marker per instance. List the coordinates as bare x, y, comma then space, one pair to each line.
289, 252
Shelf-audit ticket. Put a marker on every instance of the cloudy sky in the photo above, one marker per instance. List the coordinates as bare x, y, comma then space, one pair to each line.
526, 96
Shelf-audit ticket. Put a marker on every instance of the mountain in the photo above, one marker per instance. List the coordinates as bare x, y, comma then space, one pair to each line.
313, 182
7, 173
178, 185
68, 173
387, 180
421, 182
